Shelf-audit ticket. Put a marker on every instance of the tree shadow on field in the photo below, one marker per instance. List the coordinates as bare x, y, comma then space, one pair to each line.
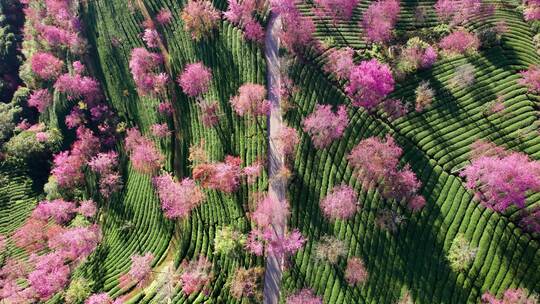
96, 269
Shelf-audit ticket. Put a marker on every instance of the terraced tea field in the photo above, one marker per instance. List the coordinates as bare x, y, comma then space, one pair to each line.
405, 252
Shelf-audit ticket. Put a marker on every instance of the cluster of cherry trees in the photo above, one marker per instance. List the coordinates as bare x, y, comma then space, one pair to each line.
62, 231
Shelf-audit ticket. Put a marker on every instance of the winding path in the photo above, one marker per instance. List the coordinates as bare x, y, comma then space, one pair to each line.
277, 189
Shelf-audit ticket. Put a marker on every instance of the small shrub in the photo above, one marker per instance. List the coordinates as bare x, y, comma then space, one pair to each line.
461, 253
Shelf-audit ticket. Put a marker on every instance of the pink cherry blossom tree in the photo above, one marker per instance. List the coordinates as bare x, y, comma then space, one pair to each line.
376, 165
160, 130
164, 16
40, 99
224, 176
51, 274
145, 69
340, 62
200, 18
79, 87
369, 83
287, 140
251, 100
335, 9
177, 198
458, 12
304, 296
510, 296
140, 272
531, 79
87, 208
102, 298
270, 211
209, 113
340, 203
59, 210
356, 273
46, 66
144, 155
325, 126
261, 240
195, 79
379, 20
77, 243
196, 275
460, 42
500, 181
532, 10
151, 38
297, 30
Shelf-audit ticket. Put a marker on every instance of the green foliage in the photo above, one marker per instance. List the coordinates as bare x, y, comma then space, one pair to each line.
9, 114
78, 291
25, 146
461, 253
228, 241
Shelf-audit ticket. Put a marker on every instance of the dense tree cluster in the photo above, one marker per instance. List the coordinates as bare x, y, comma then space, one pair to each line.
376, 166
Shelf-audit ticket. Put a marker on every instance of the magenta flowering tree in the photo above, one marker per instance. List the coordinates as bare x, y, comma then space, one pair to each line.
51, 274
261, 240
196, 275
87, 208
304, 296
325, 126
105, 164
240, 13
335, 9
297, 30
200, 18
340, 62
195, 79
356, 273
251, 100
77, 243
145, 69
460, 42
177, 198
164, 17
209, 113
510, 296
151, 38
46, 66
140, 271
458, 12
379, 20
165, 108
102, 298
160, 130
369, 83
531, 79
144, 156
59, 210
270, 211
40, 99
376, 165
254, 31
287, 140
340, 203
224, 176
501, 181
78, 86
67, 167
532, 10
